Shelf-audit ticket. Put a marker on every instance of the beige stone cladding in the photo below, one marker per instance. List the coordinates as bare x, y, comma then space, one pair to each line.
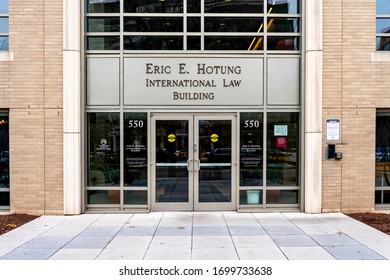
31, 89
355, 85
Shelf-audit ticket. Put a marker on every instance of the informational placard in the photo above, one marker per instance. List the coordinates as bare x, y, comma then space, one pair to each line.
280, 130
193, 81
333, 129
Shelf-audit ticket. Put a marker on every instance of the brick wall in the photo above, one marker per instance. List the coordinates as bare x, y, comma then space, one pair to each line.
31, 88
354, 86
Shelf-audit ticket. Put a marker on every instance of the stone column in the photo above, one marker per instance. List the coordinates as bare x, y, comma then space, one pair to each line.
72, 107
313, 105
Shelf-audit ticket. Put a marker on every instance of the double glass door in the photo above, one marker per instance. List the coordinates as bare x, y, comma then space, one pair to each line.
193, 162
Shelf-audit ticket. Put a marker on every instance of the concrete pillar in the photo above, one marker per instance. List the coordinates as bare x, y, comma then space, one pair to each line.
313, 105
72, 107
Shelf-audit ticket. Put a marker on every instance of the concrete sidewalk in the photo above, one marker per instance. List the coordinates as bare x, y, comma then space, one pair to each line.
196, 236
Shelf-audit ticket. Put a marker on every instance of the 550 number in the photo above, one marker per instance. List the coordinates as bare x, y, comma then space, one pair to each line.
136, 123
251, 124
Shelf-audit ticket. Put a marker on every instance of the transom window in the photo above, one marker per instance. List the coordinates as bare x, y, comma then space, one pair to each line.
192, 25
4, 36
383, 25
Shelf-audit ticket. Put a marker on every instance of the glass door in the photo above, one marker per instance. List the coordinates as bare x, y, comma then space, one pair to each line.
214, 162
193, 162
173, 163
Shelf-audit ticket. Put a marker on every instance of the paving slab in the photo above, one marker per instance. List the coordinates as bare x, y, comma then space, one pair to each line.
212, 242
246, 230
273, 253
353, 252
121, 254
214, 254
306, 253
289, 240
88, 242
29, 254
76, 254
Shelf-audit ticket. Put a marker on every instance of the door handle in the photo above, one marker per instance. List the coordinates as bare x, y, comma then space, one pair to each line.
189, 165
197, 166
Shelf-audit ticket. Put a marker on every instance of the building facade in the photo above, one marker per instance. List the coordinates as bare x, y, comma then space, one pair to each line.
183, 105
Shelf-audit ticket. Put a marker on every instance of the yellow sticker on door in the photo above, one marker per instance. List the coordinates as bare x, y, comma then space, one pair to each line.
171, 137
214, 137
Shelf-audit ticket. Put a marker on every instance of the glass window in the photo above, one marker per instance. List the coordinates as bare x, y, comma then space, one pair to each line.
234, 6
3, 25
383, 7
4, 37
103, 6
383, 25
103, 149
153, 24
228, 24
283, 25
3, 6
382, 159
251, 149
136, 197
4, 45
283, 6
153, 6
4, 161
282, 196
251, 197
227, 18
103, 24
241, 43
136, 149
103, 43
103, 197
153, 42
282, 149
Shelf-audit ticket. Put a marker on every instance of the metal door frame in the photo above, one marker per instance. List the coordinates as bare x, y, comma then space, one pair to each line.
192, 163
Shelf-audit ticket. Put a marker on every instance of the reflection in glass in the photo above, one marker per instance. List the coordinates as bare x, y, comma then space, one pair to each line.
383, 43
282, 149
103, 149
4, 46
235, 43
153, 6
383, 7
4, 199
251, 197
282, 196
4, 155
193, 43
283, 43
283, 25
251, 149
136, 197
103, 6
153, 42
171, 161
215, 142
135, 149
153, 24
382, 197
193, 24
3, 6
383, 25
3, 25
382, 153
283, 6
214, 24
103, 197
107, 43
234, 6
193, 6
100, 24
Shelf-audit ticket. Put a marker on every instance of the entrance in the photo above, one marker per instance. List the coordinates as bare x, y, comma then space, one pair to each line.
193, 162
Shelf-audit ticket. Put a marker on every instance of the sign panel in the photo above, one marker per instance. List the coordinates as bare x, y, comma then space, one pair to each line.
333, 129
193, 81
